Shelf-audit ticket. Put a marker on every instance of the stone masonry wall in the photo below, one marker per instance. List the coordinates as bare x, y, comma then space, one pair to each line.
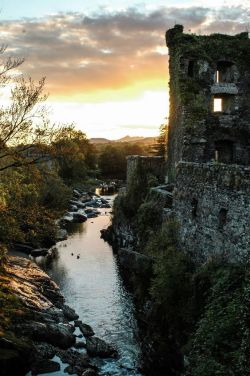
212, 205
206, 70
153, 165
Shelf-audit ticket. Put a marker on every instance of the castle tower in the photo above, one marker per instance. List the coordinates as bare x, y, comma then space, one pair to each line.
209, 98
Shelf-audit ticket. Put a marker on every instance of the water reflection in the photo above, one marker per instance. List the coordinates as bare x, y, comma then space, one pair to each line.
73, 228
91, 284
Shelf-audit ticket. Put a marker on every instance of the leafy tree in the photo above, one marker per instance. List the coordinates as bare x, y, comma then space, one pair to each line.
160, 148
74, 153
23, 120
172, 282
31, 199
112, 160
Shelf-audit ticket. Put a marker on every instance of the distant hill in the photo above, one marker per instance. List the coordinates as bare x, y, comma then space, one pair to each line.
126, 139
130, 139
99, 141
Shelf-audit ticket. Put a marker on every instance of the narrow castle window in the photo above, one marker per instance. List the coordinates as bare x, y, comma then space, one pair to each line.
191, 68
225, 71
224, 151
222, 218
217, 104
194, 204
217, 79
224, 103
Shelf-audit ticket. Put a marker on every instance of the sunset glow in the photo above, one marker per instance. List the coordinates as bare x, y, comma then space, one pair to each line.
106, 67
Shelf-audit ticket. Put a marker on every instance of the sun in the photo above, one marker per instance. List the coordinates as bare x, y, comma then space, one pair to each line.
139, 116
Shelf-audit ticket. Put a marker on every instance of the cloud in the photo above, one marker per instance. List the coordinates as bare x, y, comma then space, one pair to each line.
80, 53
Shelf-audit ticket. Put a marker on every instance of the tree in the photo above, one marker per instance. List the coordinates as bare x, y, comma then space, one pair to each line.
74, 153
112, 160
160, 148
7, 65
23, 121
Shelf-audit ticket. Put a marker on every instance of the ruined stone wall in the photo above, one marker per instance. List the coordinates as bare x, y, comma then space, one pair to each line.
212, 205
153, 165
204, 69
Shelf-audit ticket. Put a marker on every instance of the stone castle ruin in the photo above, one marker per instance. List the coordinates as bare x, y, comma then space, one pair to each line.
208, 161
209, 98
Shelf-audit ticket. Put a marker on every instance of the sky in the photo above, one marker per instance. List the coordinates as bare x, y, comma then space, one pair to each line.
106, 63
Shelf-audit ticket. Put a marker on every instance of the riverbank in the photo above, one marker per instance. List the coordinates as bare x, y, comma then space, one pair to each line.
82, 206
36, 325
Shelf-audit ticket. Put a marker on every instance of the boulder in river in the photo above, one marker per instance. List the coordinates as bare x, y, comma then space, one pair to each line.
97, 347
80, 345
73, 208
81, 205
43, 350
76, 193
56, 334
61, 234
69, 313
68, 217
80, 216
39, 252
77, 204
89, 372
86, 330
22, 247
77, 361
45, 366
92, 214
105, 206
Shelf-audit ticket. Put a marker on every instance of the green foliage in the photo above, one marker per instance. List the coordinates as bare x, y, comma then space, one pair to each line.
172, 282
54, 193
160, 148
149, 219
112, 159
132, 206
75, 155
221, 343
31, 198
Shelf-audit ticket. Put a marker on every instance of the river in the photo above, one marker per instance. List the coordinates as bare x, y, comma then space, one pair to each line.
88, 275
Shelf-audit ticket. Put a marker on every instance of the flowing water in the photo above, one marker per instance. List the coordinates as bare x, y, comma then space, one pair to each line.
86, 271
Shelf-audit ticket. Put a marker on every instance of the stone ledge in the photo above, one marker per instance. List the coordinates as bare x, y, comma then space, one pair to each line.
224, 88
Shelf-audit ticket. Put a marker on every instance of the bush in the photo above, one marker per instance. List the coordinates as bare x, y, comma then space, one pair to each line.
171, 287
149, 219
54, 193
25, 216
221, 343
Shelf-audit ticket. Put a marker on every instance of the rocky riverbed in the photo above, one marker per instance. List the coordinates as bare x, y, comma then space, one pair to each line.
43, 327
84, 205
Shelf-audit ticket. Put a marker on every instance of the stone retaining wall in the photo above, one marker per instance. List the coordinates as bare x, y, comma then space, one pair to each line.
212, 204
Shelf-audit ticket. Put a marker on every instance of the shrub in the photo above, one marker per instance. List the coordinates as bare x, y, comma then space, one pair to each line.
221, 343
171, 286
149, 219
